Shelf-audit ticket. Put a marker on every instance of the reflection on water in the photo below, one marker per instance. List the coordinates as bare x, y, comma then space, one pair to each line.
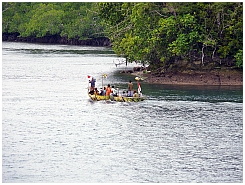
79, 52
42, 49
52, 132
199, 93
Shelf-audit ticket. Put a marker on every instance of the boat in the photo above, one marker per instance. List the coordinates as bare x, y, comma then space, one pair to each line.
98, 97
116, 98
123, 98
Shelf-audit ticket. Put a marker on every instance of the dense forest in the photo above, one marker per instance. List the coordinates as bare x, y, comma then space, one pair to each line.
164, 35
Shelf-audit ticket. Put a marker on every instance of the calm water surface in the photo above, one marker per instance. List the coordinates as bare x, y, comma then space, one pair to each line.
52, 132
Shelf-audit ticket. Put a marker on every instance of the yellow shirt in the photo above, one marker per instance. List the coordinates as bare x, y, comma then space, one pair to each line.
136, 95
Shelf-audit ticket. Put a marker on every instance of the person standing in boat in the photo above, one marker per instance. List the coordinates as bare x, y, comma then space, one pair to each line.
130, 88
92, 84
108, 90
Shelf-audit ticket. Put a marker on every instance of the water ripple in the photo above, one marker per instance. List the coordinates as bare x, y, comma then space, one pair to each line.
52, 132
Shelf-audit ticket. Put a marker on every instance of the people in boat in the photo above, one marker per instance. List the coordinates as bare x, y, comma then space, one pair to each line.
135, 94
130, 88
140, 93
102, 91
124, 93
96, 92
108, 90
91, 92
113, 91
92, 84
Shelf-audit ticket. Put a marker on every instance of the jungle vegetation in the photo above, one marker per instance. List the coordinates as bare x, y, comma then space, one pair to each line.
163, 35
74, 20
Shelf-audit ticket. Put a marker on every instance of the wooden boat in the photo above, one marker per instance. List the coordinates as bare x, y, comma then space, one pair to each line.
98, 97
128, 99
116, 98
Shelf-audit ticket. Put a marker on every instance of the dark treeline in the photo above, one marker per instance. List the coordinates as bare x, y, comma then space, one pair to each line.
164, 35
56, 39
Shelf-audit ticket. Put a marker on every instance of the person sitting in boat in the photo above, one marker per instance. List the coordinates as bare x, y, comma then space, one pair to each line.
113, 91
92, 83
96, 92
130, 88
102, 92
135, 94
140, 93
124, 93
108, 90
91, 92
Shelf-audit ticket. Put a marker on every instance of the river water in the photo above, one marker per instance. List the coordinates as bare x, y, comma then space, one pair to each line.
52, 132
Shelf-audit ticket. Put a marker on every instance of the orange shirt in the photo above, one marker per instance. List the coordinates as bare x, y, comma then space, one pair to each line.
108, 91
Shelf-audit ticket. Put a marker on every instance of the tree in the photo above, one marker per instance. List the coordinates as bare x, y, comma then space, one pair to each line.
162, 33
74, 20
41, 24
14, 16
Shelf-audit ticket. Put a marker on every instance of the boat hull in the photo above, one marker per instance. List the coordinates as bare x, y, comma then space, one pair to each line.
98, 97
116, 98
128, 99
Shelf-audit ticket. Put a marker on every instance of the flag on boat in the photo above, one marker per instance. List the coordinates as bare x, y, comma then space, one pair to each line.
89, 77
139, 88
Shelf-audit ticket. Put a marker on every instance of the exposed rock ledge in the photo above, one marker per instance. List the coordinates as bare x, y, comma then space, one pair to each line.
215, 77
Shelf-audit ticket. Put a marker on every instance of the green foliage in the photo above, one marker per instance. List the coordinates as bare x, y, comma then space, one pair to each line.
239, 58
74, 20
42, 24
14, 16
160, 33
187, 38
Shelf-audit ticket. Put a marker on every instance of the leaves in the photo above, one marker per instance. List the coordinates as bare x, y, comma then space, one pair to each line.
74, 20
239, 58
42, 24
159, 33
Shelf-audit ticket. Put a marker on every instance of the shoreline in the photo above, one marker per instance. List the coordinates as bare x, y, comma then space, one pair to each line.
223, 77
216, 77
57, 39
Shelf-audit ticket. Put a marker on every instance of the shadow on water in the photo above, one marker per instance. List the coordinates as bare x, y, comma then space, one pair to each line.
195, 93
78, 52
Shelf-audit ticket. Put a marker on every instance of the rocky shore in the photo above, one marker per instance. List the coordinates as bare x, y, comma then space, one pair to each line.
215, 77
